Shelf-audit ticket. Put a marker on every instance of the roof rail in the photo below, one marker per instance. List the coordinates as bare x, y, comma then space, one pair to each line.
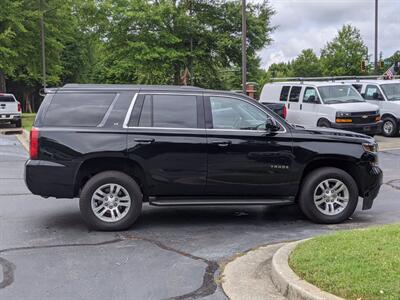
328, 78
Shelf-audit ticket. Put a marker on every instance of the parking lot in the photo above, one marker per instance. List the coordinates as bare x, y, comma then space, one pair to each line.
47, 252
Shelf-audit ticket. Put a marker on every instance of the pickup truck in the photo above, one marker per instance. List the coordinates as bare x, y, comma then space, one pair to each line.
10, 110
278, 108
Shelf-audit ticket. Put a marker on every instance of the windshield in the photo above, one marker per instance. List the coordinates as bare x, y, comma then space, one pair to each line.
392, 91
339, 94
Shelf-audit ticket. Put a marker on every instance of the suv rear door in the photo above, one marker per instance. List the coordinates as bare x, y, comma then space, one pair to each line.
166, 135
244, 160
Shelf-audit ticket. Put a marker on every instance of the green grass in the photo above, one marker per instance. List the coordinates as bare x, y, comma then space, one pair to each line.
27, 120
357, 264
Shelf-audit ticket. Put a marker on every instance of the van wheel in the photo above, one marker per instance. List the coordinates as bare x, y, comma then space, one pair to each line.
111, 200
328, 196
389, 127
324, 123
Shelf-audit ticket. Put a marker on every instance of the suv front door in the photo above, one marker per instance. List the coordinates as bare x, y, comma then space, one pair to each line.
166, 135
243, 159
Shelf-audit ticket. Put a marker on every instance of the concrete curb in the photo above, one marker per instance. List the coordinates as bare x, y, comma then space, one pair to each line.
24, 139
288, 283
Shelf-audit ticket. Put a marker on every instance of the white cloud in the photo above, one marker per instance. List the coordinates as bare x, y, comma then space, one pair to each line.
312, 23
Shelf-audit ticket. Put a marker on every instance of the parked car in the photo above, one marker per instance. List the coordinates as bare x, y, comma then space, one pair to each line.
10, 110
324, 104
117, 146
278, 108
386, 95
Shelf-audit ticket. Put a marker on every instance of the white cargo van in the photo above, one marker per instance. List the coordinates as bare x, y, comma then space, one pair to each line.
10, 110
385, 94
324, 104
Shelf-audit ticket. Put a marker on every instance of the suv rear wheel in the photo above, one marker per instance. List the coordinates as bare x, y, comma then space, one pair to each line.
328, 195
111, 200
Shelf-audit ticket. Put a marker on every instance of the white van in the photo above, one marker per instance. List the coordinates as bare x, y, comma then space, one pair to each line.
385, 94
324, 104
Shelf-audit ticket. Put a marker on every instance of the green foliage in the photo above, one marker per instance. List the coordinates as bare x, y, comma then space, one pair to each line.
343, 55
154, 42
355, 264
307, 64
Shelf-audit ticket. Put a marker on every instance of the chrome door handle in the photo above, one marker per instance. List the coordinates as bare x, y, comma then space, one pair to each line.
221, 143
144, 141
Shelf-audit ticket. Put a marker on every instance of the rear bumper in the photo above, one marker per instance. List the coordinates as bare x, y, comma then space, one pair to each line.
370, 128
9, 117
371, 184
49, 179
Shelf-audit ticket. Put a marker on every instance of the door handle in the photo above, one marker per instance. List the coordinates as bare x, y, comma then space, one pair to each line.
288, 106
221, 143
301, 106
144, 141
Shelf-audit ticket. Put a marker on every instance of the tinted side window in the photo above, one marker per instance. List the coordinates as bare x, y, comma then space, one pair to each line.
229, 113
169, 111
358, 87
284, 93
77, 109
310, 95
370, 91
295, 94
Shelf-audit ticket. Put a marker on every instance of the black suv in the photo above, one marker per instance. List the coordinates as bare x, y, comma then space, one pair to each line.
116, 146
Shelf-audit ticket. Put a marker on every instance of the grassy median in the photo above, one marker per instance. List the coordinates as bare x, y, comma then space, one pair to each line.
357, 264
27, 120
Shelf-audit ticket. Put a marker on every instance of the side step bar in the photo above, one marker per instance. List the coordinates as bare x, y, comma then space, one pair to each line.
187, 201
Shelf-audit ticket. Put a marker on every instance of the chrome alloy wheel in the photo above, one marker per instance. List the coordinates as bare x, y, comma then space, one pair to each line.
331, 197
388, 127
110, 202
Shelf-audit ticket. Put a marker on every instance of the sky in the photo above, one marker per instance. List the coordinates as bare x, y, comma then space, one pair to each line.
306, 24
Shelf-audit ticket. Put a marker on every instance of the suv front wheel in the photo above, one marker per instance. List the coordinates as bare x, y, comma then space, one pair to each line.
328, 195
111, 200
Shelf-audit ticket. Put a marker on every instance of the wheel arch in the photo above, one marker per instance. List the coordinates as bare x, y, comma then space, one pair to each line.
321, 120
331, 161
93, 166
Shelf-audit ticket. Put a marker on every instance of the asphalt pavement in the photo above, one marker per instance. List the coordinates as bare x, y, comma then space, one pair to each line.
47, 252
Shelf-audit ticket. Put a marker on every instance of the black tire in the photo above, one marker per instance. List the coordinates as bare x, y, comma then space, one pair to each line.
111, 177
309, 186
391, 124
324, 123
18, 123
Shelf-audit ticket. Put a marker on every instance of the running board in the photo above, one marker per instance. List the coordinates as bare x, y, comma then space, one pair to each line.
187, 201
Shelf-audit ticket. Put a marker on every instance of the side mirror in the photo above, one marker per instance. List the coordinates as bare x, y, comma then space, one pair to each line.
271, 126
377, 96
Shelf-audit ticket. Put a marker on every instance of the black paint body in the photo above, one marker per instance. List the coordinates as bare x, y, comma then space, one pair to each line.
193, 162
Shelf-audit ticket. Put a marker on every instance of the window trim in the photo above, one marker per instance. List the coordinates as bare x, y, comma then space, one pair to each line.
134, 100
206, 102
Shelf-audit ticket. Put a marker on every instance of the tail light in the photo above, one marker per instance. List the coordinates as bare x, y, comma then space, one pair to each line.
34, 143
284, 112
19, 107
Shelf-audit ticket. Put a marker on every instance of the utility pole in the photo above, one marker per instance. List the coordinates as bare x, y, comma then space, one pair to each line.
42, 38
244, 46
376, 37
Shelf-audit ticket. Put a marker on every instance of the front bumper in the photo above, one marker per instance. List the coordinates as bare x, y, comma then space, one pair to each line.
370, 186
369, 128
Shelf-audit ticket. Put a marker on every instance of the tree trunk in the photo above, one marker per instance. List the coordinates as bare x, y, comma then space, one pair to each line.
177, 74
3, 87
28, 107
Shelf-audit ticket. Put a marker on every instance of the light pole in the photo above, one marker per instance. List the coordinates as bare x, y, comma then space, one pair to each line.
376, 38
244, 46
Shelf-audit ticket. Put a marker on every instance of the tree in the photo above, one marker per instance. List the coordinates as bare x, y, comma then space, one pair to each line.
343, 55
307, 64
154, 42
